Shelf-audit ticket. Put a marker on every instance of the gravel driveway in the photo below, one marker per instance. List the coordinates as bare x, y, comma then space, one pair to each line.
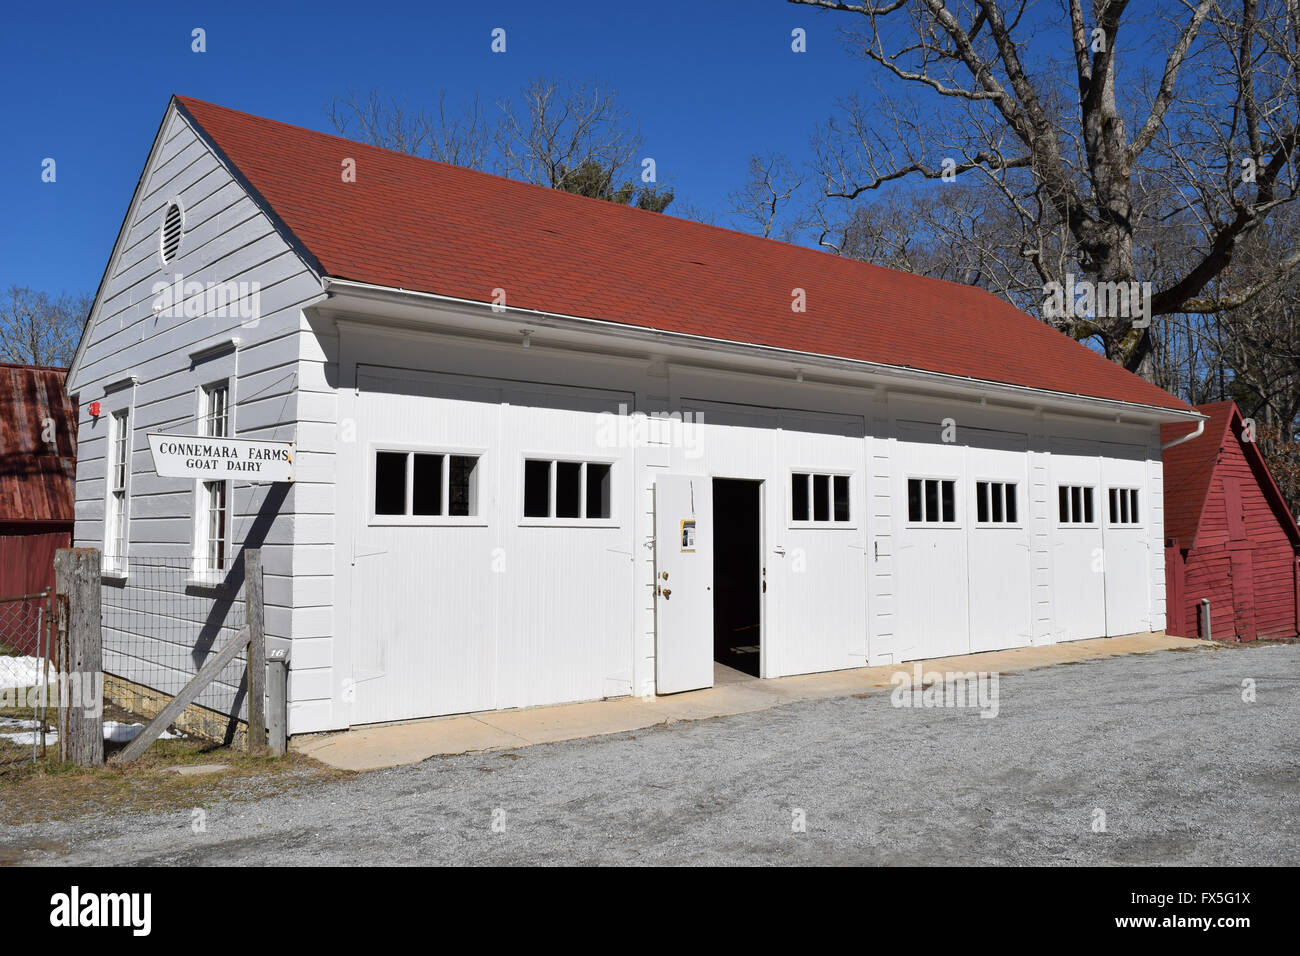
1184, 770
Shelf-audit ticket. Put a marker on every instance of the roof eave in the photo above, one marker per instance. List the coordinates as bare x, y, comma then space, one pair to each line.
899, 375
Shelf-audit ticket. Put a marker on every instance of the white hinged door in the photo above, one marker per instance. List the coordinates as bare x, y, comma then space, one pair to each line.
683, 583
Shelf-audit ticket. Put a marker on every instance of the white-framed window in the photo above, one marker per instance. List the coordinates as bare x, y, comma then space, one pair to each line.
212, 514
216, 401
1123, 505
996, 503
117, 501
567, 491
820, 498
1074, 504
424, 486
932, 501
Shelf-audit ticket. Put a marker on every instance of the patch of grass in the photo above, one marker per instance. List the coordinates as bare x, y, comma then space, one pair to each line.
50, 790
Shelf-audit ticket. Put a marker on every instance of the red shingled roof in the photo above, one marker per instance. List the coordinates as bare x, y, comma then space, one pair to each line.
420, 225
36, 478
1189, 472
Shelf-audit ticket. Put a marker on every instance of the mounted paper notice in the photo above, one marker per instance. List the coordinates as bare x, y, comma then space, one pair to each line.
180, 456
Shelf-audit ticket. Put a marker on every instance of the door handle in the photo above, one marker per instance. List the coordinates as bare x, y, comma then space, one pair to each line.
667, 592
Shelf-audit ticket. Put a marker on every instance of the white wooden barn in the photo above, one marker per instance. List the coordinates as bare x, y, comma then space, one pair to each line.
552, 449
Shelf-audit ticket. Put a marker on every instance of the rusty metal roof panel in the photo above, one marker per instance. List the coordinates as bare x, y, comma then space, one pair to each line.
38, 445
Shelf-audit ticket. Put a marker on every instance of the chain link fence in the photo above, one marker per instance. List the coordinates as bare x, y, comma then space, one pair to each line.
27, 709
161, 622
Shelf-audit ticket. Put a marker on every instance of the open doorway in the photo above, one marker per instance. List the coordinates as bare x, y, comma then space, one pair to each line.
737, 574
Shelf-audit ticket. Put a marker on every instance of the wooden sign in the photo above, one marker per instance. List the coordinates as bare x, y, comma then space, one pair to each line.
183, 456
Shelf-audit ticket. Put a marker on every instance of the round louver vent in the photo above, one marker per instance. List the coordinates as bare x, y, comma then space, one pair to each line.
171, 231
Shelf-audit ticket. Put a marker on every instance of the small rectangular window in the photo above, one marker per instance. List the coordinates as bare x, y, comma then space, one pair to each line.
821, 498
1123, 505
932, 500
995, 502
1076, 504
583, 489
419, 484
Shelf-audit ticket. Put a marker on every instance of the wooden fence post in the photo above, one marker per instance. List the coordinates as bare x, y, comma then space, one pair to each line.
255, 616
81, 705
277, 698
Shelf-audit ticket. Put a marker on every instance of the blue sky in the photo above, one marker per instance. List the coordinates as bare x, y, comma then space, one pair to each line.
87, 84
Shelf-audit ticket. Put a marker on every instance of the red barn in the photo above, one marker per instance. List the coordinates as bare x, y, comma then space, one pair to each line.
1229, 536
38, 456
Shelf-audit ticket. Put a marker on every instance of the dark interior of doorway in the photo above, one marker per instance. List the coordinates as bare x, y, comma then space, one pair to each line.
737, 574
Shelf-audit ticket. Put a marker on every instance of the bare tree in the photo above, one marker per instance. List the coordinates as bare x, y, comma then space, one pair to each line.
559, 128
36, 329
1211, 153
572, 136
767, 196
460, 136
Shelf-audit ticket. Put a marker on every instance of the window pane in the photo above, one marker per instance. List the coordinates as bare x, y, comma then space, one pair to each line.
798, 497
1076, 506
426, 485
1063, 504
949, 500
462, 491
1114, 509
1123, 506
1087, 505
1133, 506
841, 497
931, 500
390, 483
568, 489
914, 499
821, 497
1011, 504
219, 537
597, 490
981, 501
537, 489
216, 411
997, 501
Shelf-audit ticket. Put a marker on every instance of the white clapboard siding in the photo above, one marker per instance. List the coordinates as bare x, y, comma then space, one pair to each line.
157, 634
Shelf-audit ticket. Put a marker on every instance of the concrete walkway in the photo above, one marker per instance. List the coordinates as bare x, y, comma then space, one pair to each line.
377, 746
